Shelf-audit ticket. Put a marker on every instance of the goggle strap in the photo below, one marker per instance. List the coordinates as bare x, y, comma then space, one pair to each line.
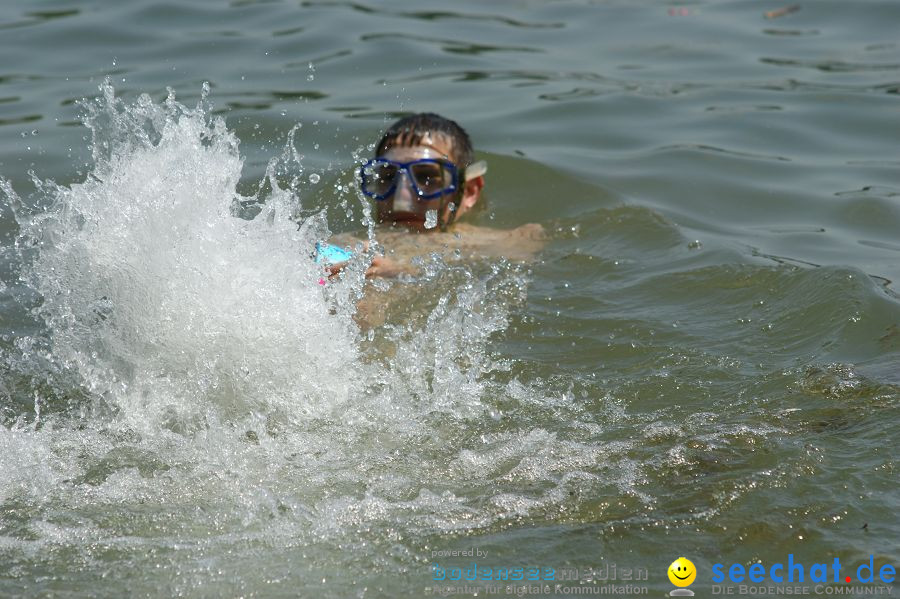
476, 169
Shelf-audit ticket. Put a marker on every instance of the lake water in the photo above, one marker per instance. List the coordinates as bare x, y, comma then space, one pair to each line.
702, 361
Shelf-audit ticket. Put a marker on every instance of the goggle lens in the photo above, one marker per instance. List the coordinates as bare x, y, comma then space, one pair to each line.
430, 177
380, 178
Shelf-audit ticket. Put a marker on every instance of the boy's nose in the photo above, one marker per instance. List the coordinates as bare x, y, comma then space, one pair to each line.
405, 197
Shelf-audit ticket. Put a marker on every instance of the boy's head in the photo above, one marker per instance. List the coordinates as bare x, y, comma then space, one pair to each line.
423, 163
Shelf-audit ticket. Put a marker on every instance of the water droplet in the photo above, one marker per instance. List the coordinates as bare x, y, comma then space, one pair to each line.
431, 219
314, 178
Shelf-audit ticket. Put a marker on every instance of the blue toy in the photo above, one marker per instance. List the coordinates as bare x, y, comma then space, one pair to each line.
331, 254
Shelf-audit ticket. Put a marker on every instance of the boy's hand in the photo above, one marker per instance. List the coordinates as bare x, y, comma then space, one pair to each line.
334, 270
386, 268
381, 267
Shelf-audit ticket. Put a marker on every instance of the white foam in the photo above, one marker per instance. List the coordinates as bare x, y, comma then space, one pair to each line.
162, 299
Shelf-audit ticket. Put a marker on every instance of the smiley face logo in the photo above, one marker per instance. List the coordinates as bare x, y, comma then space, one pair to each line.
682, 572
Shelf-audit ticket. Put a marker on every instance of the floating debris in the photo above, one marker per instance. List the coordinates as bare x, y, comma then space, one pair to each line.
774, 14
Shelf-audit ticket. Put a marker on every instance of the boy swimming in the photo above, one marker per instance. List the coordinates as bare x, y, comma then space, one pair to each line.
422, 180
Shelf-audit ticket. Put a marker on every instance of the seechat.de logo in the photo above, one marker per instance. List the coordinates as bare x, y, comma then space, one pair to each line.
682, 573
796, 571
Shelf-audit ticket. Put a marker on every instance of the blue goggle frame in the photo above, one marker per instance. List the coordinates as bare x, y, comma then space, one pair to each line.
409, 167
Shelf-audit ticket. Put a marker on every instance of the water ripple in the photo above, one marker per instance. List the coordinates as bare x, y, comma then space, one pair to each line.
435, 15
28, 118
449, 45
792, 32
40, 17
832, 65
718, 150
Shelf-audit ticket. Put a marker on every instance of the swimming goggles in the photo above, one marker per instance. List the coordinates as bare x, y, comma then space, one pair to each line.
429, 177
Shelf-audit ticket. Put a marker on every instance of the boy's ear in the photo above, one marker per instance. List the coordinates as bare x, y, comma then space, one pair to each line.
471, 192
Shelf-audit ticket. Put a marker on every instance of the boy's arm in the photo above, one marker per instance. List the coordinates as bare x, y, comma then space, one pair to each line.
381, 266
385, 267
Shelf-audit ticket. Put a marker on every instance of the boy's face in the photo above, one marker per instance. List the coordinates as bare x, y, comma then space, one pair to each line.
404, 207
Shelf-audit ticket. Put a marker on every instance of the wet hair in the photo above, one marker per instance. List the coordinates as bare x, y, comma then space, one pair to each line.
412, 129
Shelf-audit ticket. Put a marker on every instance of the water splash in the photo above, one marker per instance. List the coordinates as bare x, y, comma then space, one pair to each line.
164, 314
160, 299
198, 382
431, 219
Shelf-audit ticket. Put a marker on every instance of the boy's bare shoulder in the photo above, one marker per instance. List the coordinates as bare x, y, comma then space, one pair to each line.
521, 244
533, 231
